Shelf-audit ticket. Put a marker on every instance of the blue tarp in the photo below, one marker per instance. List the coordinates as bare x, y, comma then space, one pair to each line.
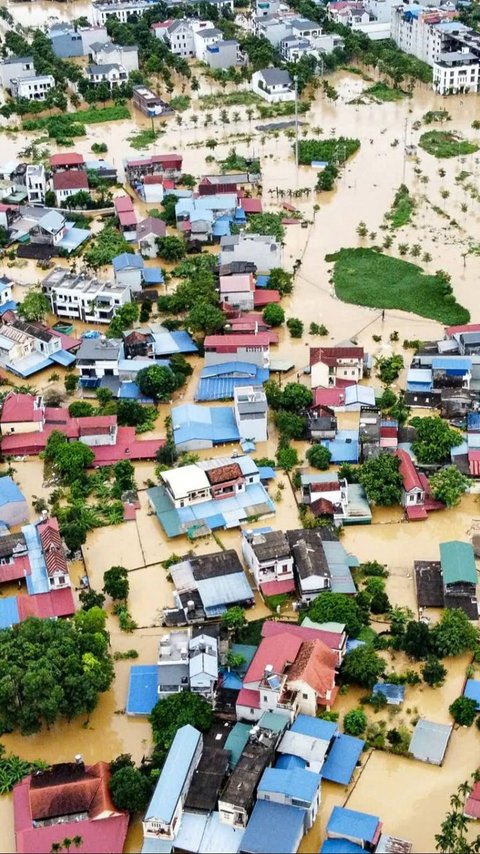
9, 615
342, 759
142, 689
472, 691
262, 281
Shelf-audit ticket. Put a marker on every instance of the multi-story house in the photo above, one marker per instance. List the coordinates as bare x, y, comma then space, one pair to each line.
119, 9
98, 358
32, 88
69, 183
242, 348
106, 52
336, 366
83, 297
111, 73
148, 103
36, 183
273, 85
16, 68
250, 409
166, 165
71, 40
267, 554
53, 553
49, 230
187, 663
260, 249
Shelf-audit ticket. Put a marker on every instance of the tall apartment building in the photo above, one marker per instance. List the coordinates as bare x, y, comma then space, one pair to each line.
83, 297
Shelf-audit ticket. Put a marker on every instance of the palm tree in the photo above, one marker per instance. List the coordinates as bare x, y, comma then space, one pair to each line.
77, 841
67, 843
236, 117
208, 119
194, 84
426, 257
195, 120
250, 113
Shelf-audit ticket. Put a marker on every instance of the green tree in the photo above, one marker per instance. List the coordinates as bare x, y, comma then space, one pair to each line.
454, 634
363, 667
448, 485
417, 640
72, 459
157, 382
355, 722
280, 280
115, 583
176, 711
35, 306
204, 317
287, 458
433, 672
463, 711
290, 425
381, 479
389, 367
171, 248
274, 315
71, 383
74, 534
319, 457
294, 397
337, 608
90, 598
234, 618
454, 836
295, 327
81, 409
434, 439
124, 474
130, 790
51, 669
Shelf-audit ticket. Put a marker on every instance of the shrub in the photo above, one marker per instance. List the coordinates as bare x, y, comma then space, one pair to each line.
355, 722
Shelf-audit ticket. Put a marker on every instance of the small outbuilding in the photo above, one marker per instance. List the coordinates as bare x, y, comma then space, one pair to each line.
430, 741
13, 504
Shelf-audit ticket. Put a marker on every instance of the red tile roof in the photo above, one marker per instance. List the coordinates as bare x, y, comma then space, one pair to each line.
20, 408
248, 698
410, 477
103, 832
264, 296
465, 327
274, 588
278, 651
68, 158
57, 603
331, 639
153, 179
52, 548
213, 342
314, 665
474, 463
73, 179
123, 203
126, 218
127, 447
251, 206
331, 355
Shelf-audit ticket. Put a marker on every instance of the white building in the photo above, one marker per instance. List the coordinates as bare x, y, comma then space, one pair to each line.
204, 39
119, 9
6, 285
82, 297
111, 73
36, 183
108, 53
16, 68
456, 72
267, 554
251, 412
32, 88
187, 664
273, 85
261, 249
98, 358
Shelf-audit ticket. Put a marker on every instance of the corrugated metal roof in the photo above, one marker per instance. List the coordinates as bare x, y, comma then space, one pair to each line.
472, 691
9, 615
342, 759
172, 779
458, 562
352, 824
429, 741
142, 689
236, 741
224, 590
293, 783
315, 727
273, 828
215, 424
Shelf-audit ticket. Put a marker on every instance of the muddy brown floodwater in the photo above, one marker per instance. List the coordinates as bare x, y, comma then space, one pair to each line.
411, 798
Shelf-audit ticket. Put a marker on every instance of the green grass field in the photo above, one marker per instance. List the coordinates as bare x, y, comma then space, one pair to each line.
366, 277
444, 143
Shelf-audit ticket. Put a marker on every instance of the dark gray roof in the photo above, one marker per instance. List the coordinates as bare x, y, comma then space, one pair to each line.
11, 60
207, 779
10, 542
173, 674
271, 545
215, 565
212, 31
102, 69
308, 552
276, 77
98, 348
429, 583
244, 779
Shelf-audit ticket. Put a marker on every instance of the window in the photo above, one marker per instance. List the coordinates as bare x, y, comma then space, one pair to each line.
305, 696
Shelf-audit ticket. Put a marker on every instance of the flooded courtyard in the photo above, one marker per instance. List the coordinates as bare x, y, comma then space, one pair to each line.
411, 798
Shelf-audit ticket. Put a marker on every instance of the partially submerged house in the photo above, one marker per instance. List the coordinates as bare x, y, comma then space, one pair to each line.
429, 741
269, 559
336, 366
450, 582
325, 494
205, 586
197, 427
321, 563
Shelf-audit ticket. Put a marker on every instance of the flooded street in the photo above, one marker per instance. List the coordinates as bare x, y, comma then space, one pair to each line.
411, 798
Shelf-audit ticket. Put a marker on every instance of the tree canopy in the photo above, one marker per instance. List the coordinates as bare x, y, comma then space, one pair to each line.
70, 459
52, 669
130, 789
174, 712
337, 608
363, 667
294, 397
434, 440
34, 306
205, 317
454, 633
448, 485
319, 457
115, 583
463, 711
381, 479
274, 314
157, 382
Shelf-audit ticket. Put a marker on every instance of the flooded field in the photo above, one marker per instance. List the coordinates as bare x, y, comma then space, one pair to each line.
411, 798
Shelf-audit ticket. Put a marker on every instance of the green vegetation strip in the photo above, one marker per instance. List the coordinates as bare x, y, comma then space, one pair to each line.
443, 143
331, 150
366, 277
144, 138
73, 124
383, 92
402, 208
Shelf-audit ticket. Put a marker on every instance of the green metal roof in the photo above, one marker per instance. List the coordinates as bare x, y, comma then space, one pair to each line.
458, 562
236, 741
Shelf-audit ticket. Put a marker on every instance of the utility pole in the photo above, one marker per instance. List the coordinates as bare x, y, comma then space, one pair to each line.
296, 127
404, 152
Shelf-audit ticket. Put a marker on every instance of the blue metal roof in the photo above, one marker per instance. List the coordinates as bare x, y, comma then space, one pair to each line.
340, 846
472, 691
221, 387
295, 783
224, 589
315, 727
63, 357
288, 760
167, 343
9, 491
359, 394
342, 759
452, 364
131, 391
172, 779
127, 259
342, 450
273, 829
262, 281
142, 689
10, 305
215, 424
352, 824
9, 615
266, 473
395, 694
225, 369
221, 227
473, 420
152, 276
